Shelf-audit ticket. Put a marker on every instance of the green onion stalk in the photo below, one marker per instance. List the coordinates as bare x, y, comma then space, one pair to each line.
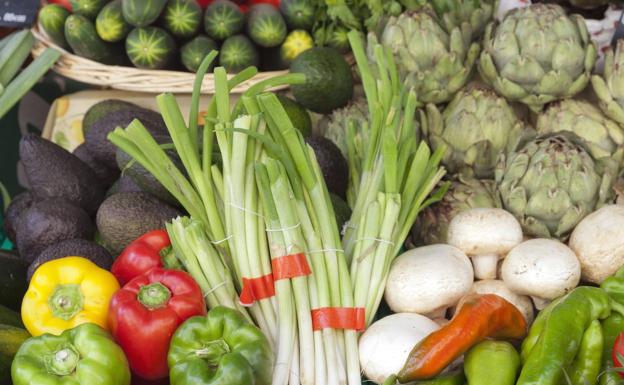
396, 180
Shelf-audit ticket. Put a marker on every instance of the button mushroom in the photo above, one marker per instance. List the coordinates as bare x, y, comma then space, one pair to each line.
598, 243
386, 344
485, 235
427, 280
498, 287
543, 269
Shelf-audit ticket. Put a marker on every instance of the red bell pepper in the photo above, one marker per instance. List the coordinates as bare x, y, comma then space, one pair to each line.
145, 313
150, 250
64, 3
617, 354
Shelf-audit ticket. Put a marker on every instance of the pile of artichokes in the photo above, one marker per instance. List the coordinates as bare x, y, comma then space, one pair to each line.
510, 102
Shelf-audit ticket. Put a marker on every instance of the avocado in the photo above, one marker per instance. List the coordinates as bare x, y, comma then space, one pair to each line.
143, 178
105, 174
99, 145
50, 221
298, 115
13, 284
20, 203
123, 184
123, 217
103, 108
341, 210
74, 248
53, 172
332, 163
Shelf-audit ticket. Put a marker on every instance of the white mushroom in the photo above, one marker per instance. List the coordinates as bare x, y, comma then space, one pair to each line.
598, 243
386, 344
485, 235
427, 280
541, 268
498, 287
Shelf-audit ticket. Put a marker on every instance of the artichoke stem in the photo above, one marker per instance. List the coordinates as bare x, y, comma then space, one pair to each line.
485, 265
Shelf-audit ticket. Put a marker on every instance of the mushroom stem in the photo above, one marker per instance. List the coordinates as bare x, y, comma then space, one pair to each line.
540, 303
485, 265
438, 313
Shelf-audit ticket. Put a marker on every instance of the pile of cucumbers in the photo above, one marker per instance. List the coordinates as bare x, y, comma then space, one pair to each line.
176, 34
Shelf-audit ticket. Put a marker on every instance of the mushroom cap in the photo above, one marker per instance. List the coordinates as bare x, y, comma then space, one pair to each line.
498, 287
482, 231
428, 278
598, 243
544, 268
386, 344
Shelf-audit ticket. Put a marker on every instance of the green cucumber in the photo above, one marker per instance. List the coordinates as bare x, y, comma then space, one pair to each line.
299, 14
14, 54
266, 26
182, 18
52, 19
194, 52
110, 24
296, 42
83, 39
150, 47
13, 284
238, 53
87, 8
11, 338
223, 19
141, 13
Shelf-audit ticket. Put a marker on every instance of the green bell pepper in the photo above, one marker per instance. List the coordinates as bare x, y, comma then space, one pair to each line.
492, 362
221, 348
611, 328
84, 355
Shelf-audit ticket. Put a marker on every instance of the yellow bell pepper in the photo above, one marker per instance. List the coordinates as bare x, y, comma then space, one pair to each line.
65, 293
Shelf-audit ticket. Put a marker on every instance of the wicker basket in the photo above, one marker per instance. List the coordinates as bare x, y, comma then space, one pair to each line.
130, 78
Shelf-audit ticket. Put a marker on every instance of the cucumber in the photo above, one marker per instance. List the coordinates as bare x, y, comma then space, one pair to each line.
266, 26
11, 338
87, 8
141, 13
13, 283
110, 24
296, 42
10, 317
150, 47
182, 18
52, 19
194, 52
83, 39
223, 19
238, 53
299, 14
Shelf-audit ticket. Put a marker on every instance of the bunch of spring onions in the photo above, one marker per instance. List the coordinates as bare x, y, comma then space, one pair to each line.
394, 176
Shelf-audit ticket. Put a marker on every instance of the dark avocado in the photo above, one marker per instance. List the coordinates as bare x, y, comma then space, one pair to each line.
53, 172
333, 164
103, 108
105, 174
50, 221
74, 248
20, 203
123, 184
13, 284
341, 210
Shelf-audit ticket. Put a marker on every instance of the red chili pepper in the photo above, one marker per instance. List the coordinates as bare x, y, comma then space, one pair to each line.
143, 254
479, 317
145, 313
64, 3
617, 354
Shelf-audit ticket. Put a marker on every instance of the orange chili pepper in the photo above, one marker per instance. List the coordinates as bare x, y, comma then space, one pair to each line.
479, 317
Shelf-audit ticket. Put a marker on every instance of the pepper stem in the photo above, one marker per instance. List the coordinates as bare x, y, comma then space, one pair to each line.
213, 351
66, 301
154, 295
62, 362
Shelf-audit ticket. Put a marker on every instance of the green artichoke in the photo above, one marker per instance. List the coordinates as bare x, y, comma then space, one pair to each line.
610, 87
537, 54
465, 193
475, 127
603, 137
335, 128
436, 63
552, 182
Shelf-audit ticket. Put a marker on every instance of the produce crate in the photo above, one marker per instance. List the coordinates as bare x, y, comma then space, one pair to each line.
130, 78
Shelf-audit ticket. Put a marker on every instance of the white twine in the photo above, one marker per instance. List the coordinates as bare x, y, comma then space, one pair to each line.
241, 208
284, 228
324, 250
215, 289
376, 240
222, 240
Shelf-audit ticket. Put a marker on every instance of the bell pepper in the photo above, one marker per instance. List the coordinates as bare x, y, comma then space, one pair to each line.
152, 249
84, 355
611, 328
617, 354
221, 348
481, 316
614, 286
146, 312
492, 362
65, 293
557, 334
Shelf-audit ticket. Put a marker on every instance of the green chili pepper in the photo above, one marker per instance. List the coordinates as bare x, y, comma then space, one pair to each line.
454, 378
611, 328
614, 286
586, 366
492, 362
536, 330
561, 334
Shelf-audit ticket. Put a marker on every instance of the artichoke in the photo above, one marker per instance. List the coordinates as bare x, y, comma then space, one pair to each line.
552, 182
465, 193
436, 63
537, 54
610, 87
603, 137
335, 127
475, 127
